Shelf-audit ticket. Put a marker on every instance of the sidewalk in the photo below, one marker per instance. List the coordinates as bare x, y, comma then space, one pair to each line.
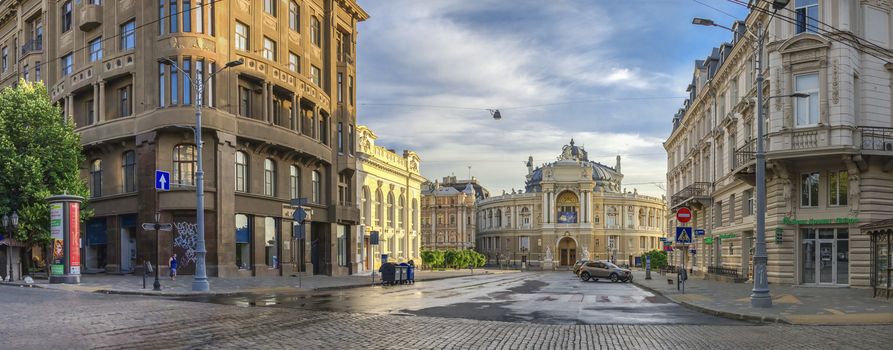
790, 304
131, 284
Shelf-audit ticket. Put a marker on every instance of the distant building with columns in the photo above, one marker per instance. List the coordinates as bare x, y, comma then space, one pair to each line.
570, 209
448, 220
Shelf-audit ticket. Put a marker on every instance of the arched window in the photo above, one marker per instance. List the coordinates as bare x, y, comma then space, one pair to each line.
317, 187
612, 216
184, 165
498, 218
391, 209
379, 209
128, 169
294, 16
241, 172
96, 178
525, 217
401, 215
269, 177
567, 204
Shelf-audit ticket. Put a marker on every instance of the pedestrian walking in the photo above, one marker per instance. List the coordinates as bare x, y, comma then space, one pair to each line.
173, 264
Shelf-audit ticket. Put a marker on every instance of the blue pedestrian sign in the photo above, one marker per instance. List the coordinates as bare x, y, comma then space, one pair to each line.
699, 232
162, 180
683, 234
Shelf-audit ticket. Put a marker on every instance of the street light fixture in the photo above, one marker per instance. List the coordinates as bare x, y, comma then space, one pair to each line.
200, 280
760, 294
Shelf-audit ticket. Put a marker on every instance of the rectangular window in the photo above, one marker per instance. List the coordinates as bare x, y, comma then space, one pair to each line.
128, 35
67, 63
200, 16
315, 75
175, 84
315, 35
277, 111
324, 129
25, 72
174, 15
96, 49
340, 137
244, 101
807, 15
88, 107
243, 241
350, 138
748, 202
270, 7
66, 16
37, 71
269, 49
294, 62
350, 89
271, 240
294, 16
161, 17
732, 209
212, 82
524, 243
317, 187
187, 81
187, 16
161, 87
809, 190
242, 35
340, 87
294, 182
807, 109
124, 101
5, 58
342, 245
717, 214
129, 169
838, 183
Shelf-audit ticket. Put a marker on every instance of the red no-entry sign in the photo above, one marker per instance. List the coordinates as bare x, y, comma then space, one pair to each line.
683, 215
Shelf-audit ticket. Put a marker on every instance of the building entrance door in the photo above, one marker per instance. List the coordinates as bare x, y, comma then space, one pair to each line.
825, 256
567, 249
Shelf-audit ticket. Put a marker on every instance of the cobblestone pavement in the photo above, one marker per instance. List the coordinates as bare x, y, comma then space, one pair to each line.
41, 318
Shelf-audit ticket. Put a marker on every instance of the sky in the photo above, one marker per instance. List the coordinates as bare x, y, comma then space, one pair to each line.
608, 73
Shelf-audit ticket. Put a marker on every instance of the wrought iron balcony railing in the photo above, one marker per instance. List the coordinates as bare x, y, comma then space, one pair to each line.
876, 138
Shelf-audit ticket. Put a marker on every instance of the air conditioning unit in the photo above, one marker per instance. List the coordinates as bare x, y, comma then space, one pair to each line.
888, 145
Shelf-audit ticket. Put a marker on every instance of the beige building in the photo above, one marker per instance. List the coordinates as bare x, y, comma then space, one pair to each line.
571, 209
828, 155
278, 127
448, 220
389, 199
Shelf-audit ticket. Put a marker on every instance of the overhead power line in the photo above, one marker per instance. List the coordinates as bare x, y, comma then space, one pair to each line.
647, 98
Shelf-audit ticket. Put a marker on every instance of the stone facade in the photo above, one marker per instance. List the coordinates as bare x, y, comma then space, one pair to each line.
448, 220
827, 155
571, 209
275, 128
389, 196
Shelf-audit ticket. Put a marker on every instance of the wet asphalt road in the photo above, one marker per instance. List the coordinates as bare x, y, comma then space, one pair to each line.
529, 297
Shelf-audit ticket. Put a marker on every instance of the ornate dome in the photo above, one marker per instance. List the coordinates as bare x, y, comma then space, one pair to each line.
606, 178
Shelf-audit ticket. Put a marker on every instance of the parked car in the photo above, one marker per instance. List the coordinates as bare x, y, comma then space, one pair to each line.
578, 265
595, 270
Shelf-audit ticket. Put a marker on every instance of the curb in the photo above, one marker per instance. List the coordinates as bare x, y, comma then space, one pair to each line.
230, 293
725, 314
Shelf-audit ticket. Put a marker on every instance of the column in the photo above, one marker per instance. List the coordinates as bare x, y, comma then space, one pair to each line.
545, 207
133, 98
266, 106
68, 110
295, 112
101, 109
96, 103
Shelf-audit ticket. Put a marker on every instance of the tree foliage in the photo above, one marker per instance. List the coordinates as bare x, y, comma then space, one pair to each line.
658, 258
453, 259
40, 156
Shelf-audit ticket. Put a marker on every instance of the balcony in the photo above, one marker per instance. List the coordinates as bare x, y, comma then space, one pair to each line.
696, 194
32, 46
877, 140
745, 161
90, 17
346, 162
815, 141
347, 212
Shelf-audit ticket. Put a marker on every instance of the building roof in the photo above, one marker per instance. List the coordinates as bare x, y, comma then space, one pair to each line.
573, 154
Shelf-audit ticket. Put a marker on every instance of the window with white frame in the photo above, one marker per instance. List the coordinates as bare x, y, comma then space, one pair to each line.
806, 109
838, 182
242, 35
809, 190
807, 12
269, 49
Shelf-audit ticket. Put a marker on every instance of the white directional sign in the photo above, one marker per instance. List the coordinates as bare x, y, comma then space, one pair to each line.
160, 227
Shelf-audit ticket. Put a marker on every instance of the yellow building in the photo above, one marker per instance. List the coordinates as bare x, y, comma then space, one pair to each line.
389, 202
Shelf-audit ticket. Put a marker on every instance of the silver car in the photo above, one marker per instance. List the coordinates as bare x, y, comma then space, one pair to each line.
603, 269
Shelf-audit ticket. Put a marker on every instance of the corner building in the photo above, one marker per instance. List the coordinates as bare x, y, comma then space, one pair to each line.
389, 203
275, 128
828, 154
571, 209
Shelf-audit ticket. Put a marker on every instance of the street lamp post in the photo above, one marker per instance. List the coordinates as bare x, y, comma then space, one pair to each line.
10, 224
760, 294
200, 281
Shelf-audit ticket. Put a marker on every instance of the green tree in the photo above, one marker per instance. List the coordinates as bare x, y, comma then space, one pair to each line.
658, 258
40, 156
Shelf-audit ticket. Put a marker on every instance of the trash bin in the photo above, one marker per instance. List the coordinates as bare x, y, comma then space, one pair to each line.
399, 274
387, 273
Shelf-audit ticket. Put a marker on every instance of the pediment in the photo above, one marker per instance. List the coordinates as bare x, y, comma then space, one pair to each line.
804, 42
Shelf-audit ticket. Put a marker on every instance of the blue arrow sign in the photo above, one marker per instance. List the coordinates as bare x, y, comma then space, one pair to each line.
683, 234
162, 180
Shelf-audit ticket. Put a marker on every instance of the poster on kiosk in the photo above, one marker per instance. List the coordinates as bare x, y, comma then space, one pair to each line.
65, 230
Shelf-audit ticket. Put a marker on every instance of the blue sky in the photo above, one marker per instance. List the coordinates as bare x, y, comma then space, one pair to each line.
607, 73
